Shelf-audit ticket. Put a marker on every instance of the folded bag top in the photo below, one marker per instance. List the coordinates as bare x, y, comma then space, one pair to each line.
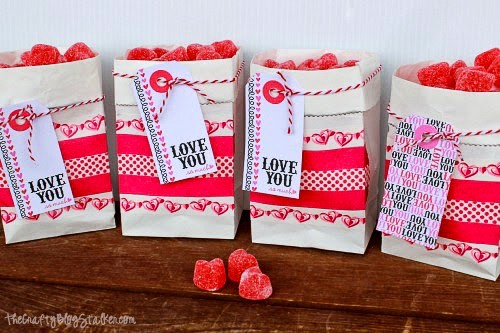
53, 85
320, 80
217, 69
465, 111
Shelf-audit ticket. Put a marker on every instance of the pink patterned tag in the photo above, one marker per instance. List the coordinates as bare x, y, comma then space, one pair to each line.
417, 182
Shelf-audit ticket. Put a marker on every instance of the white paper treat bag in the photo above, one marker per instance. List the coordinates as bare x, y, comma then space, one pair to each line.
469, 232
64, 104
156, 200
335, 162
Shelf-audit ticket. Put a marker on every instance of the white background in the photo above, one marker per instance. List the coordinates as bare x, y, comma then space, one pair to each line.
400, 31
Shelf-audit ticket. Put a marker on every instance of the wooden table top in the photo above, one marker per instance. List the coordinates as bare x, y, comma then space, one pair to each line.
150, 279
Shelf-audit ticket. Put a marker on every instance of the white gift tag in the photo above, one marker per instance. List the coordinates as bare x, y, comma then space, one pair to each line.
174, 125
273, 156
418, 181
36, 186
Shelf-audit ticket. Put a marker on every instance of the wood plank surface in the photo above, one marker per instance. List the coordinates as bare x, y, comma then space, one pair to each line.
153, 312
373, 283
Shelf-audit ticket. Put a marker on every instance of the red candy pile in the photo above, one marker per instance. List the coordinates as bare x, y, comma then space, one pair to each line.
483, 76
326, 61
217, 50
242, 267
42, 54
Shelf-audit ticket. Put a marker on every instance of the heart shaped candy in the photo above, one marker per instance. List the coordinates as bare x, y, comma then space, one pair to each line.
254, 285
238, 262
209, 275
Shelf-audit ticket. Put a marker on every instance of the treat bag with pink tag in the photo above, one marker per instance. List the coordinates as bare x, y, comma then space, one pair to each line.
456, 228
55, 177
179, 166
317, 185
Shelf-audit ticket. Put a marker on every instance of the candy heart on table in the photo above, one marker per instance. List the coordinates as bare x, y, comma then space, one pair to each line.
255, 285
238, 262
209, 275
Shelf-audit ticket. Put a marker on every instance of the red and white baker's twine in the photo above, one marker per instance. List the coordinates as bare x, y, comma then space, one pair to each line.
181, 81
31, 116
427, 137
289, 93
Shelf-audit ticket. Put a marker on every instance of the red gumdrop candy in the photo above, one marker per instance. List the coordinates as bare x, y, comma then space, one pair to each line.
225, 48
141, 53
350, 63
495, 70
460, 70
207, 48
327, 61
270, 63
456, 65
192, 50
255, 285
79, 51
305, 65
486, 58
436, 75
238, 262
474, 80
288, 65
178, 54
209, 275
42, 54
316, 65
4, 65
19, 64
207, 54
61, 59
159, 51
25, 57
